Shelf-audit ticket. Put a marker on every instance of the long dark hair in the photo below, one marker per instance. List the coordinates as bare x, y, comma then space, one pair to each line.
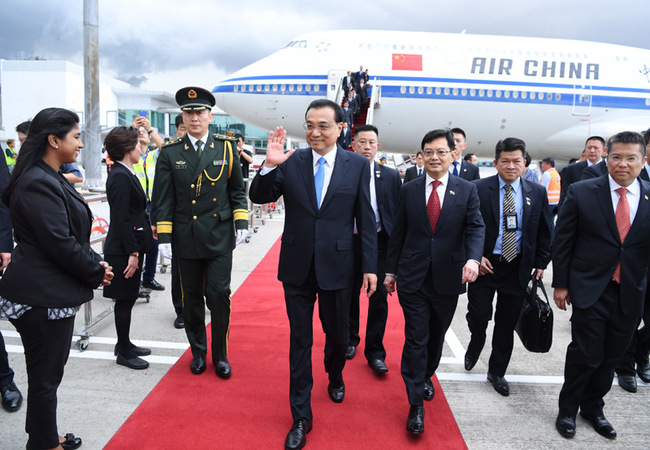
56, 121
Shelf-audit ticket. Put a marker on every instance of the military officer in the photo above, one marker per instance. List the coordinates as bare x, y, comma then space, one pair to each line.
201, 206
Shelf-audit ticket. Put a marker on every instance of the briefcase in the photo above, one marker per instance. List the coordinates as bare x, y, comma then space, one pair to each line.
535, 324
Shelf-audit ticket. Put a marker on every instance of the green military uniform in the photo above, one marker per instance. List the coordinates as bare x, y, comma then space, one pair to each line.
196, 202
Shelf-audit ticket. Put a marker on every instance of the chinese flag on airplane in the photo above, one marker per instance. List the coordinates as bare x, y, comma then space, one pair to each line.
403, 61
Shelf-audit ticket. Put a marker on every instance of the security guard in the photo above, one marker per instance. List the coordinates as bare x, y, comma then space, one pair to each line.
201, 206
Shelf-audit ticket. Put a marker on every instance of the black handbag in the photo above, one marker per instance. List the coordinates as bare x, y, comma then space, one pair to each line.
535, 324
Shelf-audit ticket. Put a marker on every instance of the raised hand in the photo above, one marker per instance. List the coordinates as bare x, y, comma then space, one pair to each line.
275, 154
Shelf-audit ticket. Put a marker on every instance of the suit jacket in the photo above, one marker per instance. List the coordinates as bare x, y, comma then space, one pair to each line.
587, 247
536, 236
468, 171
348, 116
323, 236
594, 171
197, 201
52, 265
6, 234
458, 237
387, 187
412, 173
344, 141
570, 174
130, 229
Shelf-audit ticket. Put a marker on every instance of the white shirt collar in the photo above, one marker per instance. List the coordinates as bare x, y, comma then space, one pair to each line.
634, 188
193, 140
443, 180
330, 157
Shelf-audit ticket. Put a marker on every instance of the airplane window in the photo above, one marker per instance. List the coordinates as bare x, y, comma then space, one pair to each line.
303, 44
455, 91
412, 90
369, 46
291, 87
549, 96
472, 92
463, 92
498, 94
419, 48
308, 87
515, 94
558, 97
316, 87
259, 88
394, 46
283, 87
540, 95
236, 88
402, 90
267, 88
524, 94
647, 101
275, 88
481, 93
489, 93
420, 90
289, 44
506, 94
429, 90
438, 91
411, 47
403, 47
446, 91
300, 88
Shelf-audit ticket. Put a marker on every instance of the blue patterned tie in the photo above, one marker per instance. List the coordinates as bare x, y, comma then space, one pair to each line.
319, 178
456, 168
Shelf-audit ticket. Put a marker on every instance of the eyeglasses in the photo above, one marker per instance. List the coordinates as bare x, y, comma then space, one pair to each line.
320, 127
628, 159
440, 153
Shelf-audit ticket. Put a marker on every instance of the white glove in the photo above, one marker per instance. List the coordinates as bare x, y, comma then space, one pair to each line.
165, 250
241, 236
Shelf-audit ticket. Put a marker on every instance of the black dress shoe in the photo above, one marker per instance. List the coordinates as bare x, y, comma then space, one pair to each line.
429, 391
627, 382
223, 369
179, 322
415, 421
137, 351
643, 369
71, 442
336, 390
500, 384
378, 366
600, 424
352, 350
470, 360
297, 437
11, 397
136, 362
566, 426
197, 366
153, 285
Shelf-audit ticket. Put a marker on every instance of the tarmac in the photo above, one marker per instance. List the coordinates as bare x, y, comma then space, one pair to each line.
97, 396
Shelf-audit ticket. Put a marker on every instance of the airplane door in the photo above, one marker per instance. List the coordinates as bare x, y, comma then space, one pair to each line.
334, 88
581, 100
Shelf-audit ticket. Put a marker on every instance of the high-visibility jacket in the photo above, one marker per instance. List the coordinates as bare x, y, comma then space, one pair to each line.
145, 170
553, 188
10, 160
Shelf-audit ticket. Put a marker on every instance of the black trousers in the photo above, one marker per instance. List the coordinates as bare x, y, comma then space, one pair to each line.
6, 374
510, 298
177, 292
427, 316
637, 352
599, 336
47, 346
209, 279
377, 304
333, 311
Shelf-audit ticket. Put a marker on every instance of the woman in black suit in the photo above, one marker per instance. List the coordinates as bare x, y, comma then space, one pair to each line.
53, 270
129, 238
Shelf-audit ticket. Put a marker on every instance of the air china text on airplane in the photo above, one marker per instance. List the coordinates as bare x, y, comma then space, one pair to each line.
534, 68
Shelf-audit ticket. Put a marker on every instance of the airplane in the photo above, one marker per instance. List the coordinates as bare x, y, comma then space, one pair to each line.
552, 93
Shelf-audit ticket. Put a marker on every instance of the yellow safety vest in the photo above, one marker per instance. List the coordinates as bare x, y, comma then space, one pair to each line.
145, 170
10, 161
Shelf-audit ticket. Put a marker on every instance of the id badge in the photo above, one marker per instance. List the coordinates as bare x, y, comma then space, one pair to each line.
511, 221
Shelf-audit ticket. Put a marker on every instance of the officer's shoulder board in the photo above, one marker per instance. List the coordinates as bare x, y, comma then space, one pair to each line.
175, 141
223, 137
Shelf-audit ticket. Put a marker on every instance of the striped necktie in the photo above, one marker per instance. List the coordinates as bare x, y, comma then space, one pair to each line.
509, 241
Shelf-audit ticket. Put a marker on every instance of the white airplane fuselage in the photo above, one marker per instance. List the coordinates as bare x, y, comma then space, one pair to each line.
551, 93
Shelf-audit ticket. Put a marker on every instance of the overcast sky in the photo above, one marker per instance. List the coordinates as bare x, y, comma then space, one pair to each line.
165, 44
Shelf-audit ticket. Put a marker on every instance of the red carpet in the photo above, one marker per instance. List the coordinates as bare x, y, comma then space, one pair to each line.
251, 410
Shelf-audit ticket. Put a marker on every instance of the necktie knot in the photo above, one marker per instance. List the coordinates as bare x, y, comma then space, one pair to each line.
622, 191
321, 161
508, 187
435, 184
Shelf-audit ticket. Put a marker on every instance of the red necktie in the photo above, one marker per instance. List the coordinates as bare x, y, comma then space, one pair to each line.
433, 205
622, 223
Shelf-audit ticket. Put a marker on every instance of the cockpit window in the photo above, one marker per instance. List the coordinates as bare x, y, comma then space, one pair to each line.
297, 44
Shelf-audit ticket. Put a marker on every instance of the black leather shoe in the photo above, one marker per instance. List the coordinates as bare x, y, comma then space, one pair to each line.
352, 350
643, 369
197, 366
11, 397
415, 421
142, 293
136, 362
153, 285
336, 390
600, 424
378, 366
71, 442
223, 369
500, 384
297, 437
179, 322
137, 351
429, 391
470, 360
627, 382
566, 426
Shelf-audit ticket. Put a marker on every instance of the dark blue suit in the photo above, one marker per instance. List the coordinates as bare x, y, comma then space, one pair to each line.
586, 250
510, 278
429, 266
317, 257
387, 185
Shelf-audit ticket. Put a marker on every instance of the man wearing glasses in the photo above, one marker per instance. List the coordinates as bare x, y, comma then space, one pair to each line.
434, 249
325, 189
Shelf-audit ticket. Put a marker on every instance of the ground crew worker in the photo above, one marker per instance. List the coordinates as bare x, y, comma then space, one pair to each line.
551, 181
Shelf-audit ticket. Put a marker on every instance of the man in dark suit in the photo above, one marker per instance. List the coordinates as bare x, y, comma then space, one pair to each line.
415, 171
325, 190
345, 138
434, 250
594, 149
600, 266
348, 113
594, 171
517, 244
459, 166
200, 200
384, 189
345, 84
